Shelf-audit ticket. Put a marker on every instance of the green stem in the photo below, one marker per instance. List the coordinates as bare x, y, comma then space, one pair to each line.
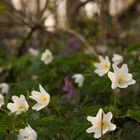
4, 110
56, 109
115, 97
13, 122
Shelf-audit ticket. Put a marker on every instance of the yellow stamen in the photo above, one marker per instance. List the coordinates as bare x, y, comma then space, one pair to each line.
21, 106
105, 66
120, 79
43, 99
47, 56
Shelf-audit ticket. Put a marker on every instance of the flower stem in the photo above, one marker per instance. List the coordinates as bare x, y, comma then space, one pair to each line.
115, 99
13, 122
102, 126
56, 109
4, 110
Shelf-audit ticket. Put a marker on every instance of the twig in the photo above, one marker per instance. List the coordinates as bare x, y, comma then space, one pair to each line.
102, 125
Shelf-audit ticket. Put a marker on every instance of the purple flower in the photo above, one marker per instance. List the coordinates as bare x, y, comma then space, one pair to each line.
68, 88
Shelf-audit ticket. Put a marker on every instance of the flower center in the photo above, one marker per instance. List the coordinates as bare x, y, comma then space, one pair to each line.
102, 125
120, 79
105, 66
43, 99
47, 56
21, 106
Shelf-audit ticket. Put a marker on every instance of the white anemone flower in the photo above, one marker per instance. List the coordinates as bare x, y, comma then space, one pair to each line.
27, 134
117, 59
42, 98
103, 66
33, 52
121, 78
1, 100
79, 79
4, 88
101, 124
47, 57
19, 105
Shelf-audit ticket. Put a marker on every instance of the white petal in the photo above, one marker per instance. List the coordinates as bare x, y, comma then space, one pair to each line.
99, 114
1, 100
97, 133
111, 76
32, 132
99, 72
11, 107
113, 86
96, 65
108, 116
37, 107
112, 127
131, 82
125, 85
91, 129
129, 76
124, 69
91, 119
115, 68
42, 90
107, 59
101, 58
15, 99
36, 93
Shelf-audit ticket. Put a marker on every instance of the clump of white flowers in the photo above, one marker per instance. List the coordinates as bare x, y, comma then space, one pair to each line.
19, 105
4, 88
103, 66
121, 78
79, 79
101, 124
42, 98
47, 57
117, 59
27, 134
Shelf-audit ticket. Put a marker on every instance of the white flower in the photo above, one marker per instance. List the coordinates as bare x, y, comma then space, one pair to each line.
47, 57
33, 52
42, 98
101, 124
1, 100
79, 79
4, 88
121, 78
117, 59
19, 106
103, 67
27, 134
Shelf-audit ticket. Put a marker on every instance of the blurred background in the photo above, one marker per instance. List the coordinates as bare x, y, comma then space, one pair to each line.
69, 25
